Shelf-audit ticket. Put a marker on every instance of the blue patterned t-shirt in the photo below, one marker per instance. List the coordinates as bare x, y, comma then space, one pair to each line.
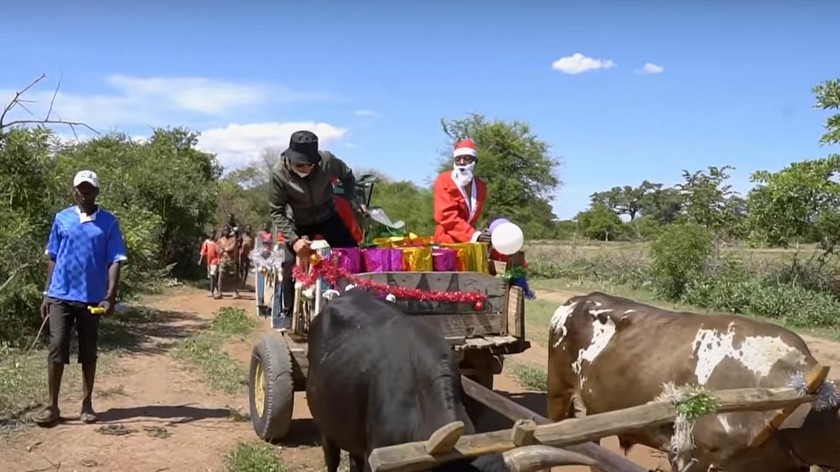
82, 247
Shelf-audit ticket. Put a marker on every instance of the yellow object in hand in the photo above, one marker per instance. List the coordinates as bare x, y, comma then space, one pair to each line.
96, 310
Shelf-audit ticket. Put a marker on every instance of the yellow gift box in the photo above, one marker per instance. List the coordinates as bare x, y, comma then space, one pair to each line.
472, 257
417, 259
400, 241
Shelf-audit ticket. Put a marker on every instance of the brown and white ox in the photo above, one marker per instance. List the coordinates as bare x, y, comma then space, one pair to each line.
608, 353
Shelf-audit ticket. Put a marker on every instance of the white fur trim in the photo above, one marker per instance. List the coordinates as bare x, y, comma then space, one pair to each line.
465, 151
474, 237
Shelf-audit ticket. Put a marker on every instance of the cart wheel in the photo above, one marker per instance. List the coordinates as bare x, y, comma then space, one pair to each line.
271, 388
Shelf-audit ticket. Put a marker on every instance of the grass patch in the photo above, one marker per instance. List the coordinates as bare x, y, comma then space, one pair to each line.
204, 350
23, 380
23, 384
531, 377
253, 456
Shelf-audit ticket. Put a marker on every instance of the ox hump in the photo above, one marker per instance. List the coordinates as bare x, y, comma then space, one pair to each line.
756, 353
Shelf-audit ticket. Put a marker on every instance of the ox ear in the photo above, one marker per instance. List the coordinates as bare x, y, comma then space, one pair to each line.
533, 458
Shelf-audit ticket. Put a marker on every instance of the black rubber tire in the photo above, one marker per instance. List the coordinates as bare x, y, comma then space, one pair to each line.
273, 353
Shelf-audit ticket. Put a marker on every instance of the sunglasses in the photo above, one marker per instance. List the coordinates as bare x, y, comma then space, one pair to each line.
464, 160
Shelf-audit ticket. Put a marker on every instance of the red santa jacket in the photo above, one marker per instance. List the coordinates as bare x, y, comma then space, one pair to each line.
454, 214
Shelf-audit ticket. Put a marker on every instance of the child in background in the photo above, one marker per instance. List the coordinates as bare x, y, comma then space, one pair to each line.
210, 252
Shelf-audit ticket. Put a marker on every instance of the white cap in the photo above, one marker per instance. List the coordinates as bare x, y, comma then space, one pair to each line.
88, 176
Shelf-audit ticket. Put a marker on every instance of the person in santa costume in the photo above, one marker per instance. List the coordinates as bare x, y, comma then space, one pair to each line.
459, 198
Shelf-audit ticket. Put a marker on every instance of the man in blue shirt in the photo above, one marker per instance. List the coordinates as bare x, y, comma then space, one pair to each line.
85, 249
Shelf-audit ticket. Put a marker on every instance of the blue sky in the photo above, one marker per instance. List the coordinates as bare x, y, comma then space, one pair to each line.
373, 78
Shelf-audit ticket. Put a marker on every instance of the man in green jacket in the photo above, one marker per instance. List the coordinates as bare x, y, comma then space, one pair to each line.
302, 205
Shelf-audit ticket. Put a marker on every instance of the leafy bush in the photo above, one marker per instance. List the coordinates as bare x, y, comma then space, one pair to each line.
736, 290
163, 192
680, 255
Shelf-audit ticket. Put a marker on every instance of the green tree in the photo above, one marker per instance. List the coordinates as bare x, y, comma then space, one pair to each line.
662, 204
802, 201
626, 200
710, 201
517, 167
827, 96
600, 222
403, 200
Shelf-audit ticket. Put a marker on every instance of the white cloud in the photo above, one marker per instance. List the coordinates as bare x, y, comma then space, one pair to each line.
365, 113
135, 104
155, 101
237, 145
577, 63
650, 68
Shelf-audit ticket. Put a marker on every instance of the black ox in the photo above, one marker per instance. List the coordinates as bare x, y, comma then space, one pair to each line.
378, 377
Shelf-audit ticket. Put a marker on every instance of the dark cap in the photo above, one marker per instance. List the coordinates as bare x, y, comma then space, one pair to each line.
303, 148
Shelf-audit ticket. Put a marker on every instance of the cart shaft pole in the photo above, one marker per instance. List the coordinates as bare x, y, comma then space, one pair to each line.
607, 461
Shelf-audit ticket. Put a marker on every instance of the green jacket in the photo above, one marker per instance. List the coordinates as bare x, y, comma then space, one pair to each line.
301, 201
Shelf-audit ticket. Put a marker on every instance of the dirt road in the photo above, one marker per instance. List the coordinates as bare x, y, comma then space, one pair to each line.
158, 415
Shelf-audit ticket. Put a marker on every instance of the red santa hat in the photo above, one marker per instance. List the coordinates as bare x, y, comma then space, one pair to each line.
465, 147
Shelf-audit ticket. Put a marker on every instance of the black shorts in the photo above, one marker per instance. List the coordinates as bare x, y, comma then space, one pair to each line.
63, 316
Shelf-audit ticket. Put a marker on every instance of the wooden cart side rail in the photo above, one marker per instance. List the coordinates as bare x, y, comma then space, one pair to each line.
414, 456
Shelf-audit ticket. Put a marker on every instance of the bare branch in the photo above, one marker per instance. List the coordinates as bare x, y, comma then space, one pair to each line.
55, 94
13, 274
15, 100
49, 122
18, 101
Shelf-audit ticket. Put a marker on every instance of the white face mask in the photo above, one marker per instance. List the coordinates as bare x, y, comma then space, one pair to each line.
301, 174
463, 175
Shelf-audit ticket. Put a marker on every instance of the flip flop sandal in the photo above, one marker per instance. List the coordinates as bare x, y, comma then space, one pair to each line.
47, 416
88, 417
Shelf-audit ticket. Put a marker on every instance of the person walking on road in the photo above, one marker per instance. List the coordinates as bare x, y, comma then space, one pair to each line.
228, 257
85, 250
210, 254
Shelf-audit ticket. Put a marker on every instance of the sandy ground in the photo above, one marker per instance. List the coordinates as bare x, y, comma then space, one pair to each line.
157, 415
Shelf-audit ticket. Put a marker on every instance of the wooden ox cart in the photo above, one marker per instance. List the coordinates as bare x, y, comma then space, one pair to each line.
480, 337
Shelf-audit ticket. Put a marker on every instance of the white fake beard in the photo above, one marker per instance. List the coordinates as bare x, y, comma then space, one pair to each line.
463, 175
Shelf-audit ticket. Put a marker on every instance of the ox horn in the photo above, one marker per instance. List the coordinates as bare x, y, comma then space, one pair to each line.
539, 457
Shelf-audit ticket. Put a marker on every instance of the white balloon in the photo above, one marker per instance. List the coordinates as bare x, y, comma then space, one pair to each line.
507, 238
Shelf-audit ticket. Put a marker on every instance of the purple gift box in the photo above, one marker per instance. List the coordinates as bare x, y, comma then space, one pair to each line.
444, 260
382, 260
350, 259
